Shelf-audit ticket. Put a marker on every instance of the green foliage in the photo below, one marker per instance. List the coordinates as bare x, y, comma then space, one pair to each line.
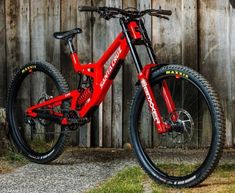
133, 179
129, 180
15, 157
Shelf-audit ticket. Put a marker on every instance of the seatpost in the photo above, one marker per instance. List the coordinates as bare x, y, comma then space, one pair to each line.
70, 44
73, 55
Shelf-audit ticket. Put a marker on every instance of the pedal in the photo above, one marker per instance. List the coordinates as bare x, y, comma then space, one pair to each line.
73, 117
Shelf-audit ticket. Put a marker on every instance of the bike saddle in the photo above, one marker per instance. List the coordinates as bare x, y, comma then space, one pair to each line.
67, 34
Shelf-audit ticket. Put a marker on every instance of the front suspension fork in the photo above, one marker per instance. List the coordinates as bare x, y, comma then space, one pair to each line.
161, 126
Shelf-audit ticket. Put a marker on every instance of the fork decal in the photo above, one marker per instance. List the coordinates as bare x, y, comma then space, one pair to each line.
150, 101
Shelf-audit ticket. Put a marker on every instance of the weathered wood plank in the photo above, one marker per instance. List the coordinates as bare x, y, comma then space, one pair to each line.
84, 47
146, 118
167, 42
167, 35
52, 22
99, 46
214, 55
18, 49
17, 34
45, 20
38, 52
189, 34
114, 29
232, 59
3, 64
109, 104
190, 54
68, 22
129, 79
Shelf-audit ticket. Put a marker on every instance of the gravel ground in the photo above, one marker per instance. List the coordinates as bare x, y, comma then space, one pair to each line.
69, 174
75, 171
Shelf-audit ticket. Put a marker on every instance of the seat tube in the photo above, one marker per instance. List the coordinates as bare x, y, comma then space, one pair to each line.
73, 55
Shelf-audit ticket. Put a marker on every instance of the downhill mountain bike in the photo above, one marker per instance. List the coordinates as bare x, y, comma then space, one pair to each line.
173, 103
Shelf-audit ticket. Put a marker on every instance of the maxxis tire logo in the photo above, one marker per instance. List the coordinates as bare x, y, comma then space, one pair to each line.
177, 73
28, 69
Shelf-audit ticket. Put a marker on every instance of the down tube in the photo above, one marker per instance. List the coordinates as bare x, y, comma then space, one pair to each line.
101, 87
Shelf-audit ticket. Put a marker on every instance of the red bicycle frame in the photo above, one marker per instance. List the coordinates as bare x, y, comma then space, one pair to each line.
133, 32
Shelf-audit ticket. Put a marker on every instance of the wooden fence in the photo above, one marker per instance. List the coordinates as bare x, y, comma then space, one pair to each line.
200, 34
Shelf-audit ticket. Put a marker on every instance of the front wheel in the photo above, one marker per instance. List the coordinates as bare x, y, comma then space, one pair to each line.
189, 152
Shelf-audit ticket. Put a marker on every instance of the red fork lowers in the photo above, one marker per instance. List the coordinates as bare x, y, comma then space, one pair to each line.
161, 126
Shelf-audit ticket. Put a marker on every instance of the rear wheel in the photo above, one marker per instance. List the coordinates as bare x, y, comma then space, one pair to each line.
38, 139
188, 153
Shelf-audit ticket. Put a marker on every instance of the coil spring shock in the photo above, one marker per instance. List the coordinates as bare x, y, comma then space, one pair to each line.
84, 96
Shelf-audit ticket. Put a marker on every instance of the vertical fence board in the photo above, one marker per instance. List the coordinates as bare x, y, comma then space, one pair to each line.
52, 25
45, 19
214, 57
167, 40
38, 52
116, 126
146, 118
99, 46
85, 56
68, 22
17, 34
189, 34
167, 35
18, 46
190, 52
2, 55
107, 103
129, 80
232, 60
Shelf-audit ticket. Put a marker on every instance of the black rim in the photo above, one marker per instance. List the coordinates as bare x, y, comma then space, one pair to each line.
152, 167
15, 132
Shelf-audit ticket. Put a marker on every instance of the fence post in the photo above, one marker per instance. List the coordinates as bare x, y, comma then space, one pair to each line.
4, 142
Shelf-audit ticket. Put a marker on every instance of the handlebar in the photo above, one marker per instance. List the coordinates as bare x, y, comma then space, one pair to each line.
88, 8
112, 12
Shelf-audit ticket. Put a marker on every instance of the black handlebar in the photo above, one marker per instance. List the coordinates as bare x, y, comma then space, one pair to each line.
112, 12
88, 8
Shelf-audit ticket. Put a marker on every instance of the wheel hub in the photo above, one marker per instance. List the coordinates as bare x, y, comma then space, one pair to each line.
182, 129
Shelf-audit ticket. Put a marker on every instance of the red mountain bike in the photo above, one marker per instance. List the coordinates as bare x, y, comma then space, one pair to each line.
172, 102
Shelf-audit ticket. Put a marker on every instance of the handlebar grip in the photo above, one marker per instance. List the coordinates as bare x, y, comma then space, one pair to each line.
165, 12
87, 8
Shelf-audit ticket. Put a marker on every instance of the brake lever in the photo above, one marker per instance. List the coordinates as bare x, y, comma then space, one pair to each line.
160, 16
163, 17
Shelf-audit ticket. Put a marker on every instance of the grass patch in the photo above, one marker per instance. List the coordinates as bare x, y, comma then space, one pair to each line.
133, 179
11, 161
128, 180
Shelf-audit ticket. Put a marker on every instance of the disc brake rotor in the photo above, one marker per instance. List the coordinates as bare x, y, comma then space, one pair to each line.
182, 129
